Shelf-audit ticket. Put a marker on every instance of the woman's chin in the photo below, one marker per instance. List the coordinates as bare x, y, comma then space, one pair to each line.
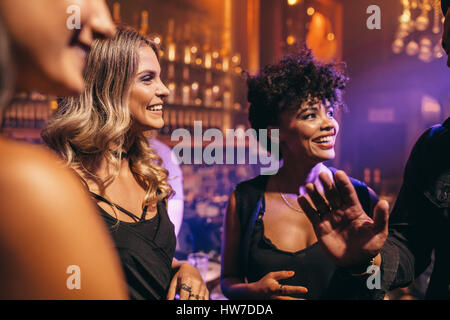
326, 156
155, 125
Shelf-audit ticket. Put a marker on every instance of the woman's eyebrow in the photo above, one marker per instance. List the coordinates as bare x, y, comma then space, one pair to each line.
310, 108
148, 72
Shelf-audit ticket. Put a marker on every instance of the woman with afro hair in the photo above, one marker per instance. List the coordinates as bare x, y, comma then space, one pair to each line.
270, 250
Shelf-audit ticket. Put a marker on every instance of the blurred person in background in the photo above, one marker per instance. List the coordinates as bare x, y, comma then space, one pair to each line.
48, 223
175, 205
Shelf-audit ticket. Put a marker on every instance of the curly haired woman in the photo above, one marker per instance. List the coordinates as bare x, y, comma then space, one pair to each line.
270, 250
102, 135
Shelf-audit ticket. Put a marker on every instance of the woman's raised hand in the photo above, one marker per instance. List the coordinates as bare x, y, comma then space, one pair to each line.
343, 229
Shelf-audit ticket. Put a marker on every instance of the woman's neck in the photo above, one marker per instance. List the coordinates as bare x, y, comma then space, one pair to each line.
295, 175
98, 173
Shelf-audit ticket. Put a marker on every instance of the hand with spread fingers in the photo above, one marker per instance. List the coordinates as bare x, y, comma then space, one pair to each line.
343, 229
270, 288
188, 283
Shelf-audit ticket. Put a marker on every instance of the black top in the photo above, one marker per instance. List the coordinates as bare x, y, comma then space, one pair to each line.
259, 256
420, 220
146, 249
445, 5
313, 269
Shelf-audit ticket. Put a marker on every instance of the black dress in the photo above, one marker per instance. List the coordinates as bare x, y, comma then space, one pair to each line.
146, 249
259, 256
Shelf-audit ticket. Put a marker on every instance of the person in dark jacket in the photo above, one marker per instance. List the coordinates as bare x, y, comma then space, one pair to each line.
419, 222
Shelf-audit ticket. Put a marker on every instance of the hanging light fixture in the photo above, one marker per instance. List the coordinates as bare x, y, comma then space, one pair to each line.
418, 33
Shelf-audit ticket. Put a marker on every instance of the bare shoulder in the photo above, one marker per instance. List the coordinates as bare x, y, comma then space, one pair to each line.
16, 155
33, 180
48, 224
34, 172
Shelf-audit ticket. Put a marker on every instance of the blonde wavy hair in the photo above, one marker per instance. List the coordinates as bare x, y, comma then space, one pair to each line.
97, 124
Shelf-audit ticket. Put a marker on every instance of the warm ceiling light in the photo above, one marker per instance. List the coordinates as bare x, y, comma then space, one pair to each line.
157, 40
310, 11
292, 2
290, 40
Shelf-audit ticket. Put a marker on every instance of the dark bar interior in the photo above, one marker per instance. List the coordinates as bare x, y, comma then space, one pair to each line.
398, 87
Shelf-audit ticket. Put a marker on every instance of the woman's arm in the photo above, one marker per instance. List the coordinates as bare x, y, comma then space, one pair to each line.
53, 245
233, 286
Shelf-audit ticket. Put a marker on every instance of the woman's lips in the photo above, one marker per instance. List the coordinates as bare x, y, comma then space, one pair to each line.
157, 113
325, 143
325, 146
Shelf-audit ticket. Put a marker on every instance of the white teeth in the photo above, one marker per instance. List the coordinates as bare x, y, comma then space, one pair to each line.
155, 108
325, 140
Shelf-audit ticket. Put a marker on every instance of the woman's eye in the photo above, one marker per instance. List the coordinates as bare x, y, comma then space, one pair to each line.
309, 116
147, 79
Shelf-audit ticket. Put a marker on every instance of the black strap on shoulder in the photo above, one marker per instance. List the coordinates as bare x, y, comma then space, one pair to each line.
249, 203
128, 213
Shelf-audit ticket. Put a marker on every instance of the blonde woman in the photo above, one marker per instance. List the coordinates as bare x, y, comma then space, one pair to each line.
48, 224
103, 136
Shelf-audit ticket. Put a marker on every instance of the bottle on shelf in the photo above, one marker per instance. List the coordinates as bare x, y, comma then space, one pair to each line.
144, 23
186, 87
116, 12
171, 47
208, 91
195, 93
28, 114
172, 86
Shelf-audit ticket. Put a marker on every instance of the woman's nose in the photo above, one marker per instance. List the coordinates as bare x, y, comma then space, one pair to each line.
162, 91
327, 123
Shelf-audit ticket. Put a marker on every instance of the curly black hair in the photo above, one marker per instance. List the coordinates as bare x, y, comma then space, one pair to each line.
297, 79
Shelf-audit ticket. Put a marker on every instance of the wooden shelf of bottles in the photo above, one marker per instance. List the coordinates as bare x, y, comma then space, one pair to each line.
201, 92
203, 76
26, 116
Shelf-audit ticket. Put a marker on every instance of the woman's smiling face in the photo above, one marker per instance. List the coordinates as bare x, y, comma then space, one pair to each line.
147, 92
309, 133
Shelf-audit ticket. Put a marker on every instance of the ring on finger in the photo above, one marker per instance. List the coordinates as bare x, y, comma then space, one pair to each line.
281, 289
196, 296
186, 288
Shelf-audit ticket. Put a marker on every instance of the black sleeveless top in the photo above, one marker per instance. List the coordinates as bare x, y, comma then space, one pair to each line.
146, 249
259, 256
